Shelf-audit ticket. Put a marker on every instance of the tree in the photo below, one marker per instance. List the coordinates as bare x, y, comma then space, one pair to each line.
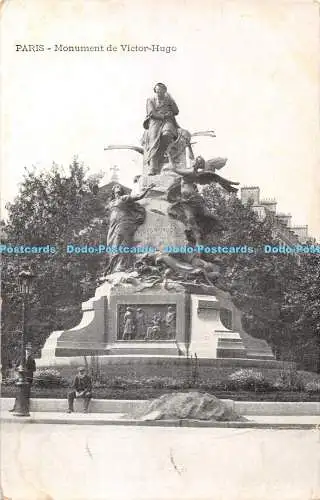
52, 208
278, 294
303, 304
263, 285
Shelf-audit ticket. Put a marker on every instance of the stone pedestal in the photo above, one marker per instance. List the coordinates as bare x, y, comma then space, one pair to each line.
227, 347
207, 331
161, 181
102, 328
200, 327
159, 230
89, 337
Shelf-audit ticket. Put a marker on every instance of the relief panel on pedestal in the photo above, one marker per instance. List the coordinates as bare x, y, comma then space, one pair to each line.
154, 322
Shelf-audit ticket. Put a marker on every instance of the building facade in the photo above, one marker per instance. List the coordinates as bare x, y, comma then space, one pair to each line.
282, 227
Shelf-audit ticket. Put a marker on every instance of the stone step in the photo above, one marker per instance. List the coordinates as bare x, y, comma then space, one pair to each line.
231, 347
258, 355
153, 348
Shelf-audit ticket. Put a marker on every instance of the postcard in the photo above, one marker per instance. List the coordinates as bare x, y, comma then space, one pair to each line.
160, 250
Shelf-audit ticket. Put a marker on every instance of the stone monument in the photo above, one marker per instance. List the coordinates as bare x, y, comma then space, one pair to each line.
157, 303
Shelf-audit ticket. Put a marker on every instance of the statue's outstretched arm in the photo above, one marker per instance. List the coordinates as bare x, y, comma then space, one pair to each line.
143, 194
138, 149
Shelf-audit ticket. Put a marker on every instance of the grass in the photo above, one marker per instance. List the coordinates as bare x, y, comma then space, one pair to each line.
132, 384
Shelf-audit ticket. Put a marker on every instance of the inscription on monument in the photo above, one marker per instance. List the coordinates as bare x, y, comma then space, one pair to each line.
208, 304
159, 230
159, 234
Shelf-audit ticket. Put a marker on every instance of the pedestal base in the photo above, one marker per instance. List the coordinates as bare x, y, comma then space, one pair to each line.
209, 337
198, 327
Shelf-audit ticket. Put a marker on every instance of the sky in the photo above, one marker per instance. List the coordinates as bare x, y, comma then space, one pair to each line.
247, 69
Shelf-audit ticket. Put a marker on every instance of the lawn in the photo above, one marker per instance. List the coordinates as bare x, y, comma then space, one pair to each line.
224, 382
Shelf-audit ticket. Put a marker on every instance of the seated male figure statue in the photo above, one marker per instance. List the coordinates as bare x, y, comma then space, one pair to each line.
81, 388
161, 127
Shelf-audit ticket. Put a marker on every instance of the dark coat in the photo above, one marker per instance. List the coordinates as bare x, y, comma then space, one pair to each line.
82, 383
30, 367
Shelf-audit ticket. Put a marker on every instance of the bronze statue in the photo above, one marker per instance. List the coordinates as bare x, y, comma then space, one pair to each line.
125, 216
188, 204
161, 127
176, 151
196, 270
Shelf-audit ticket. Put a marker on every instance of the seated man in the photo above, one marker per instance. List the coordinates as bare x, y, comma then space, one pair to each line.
161, 127
81, 388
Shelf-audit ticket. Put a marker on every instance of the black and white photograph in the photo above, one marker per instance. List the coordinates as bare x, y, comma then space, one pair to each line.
160, 250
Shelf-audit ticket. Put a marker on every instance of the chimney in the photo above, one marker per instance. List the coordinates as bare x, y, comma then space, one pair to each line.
301, 232
284, 219
260, 211
293, 236
250, 193
270, 204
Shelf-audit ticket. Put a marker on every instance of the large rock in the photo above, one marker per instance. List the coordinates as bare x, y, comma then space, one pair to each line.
185, 405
